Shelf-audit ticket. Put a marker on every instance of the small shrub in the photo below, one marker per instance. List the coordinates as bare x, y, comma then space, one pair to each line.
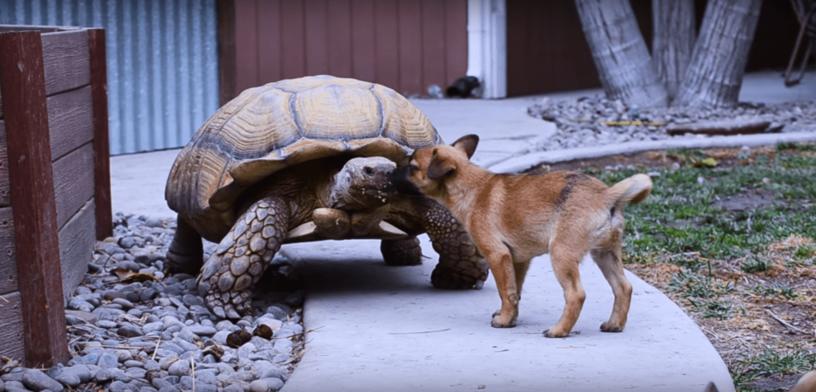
754, 265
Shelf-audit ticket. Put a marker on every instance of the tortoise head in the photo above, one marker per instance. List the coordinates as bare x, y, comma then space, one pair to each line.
363, 183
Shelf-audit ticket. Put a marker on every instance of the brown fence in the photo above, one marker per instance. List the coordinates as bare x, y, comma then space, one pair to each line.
404, 44
54, 180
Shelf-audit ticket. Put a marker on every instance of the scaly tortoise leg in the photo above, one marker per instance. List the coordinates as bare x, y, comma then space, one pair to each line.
242, 257
460, 264
401, 252
186, 251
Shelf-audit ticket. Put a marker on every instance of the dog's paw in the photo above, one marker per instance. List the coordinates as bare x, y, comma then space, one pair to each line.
497, 321
611, 327
556, 333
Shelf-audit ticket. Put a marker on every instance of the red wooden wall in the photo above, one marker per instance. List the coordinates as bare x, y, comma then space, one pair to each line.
404, 44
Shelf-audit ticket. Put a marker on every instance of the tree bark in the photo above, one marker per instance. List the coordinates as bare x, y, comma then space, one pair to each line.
714, 75
620, 54
673, 40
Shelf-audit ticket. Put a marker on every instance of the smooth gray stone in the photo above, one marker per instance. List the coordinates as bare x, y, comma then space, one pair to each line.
105, 313
77, 303
103, 375
107, 360
246, 349
266, 369
118, 386
266, 385
152, 327
220, 337
37, 380
127, 242
187, 334
90, 358
133, 363
165, 362
124, 303
163, 384
179, 368
187, 346
73, 375
207, 376
119, 374
106, 324
123, 355
201, 387
186, 383
151, 365
136, 372
129, 331
15, 386
191, 299
202, 330
14, 375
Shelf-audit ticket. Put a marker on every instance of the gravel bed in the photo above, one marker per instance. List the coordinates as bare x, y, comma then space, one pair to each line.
131, 328
595, 120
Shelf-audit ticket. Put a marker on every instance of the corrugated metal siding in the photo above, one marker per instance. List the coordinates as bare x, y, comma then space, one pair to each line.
162, 63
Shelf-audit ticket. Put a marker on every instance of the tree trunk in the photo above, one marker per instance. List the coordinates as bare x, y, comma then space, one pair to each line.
673, 40
714, 75
621, 57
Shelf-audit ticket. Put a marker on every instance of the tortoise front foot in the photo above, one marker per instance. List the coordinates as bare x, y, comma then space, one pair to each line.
228, 276
401, 252
186, 251
460, 265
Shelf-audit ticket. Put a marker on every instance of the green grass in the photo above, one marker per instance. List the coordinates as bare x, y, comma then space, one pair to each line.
774, 363
682, 217
776, 290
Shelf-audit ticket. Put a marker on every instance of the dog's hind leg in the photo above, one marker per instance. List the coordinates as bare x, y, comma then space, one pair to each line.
610, 263
520, 267
565, 261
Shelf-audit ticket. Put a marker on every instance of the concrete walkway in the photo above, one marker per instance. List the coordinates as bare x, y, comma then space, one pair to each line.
371, 327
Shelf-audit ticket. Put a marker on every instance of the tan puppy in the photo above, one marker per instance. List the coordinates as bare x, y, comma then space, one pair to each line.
513, 218
807, 383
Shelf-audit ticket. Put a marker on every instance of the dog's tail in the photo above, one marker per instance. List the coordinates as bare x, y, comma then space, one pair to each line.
629, 191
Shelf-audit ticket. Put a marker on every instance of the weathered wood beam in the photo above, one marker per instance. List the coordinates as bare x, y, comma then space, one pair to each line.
23, 85
99, 96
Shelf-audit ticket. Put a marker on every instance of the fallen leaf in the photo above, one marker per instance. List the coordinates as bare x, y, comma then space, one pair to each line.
706, 162
127, 276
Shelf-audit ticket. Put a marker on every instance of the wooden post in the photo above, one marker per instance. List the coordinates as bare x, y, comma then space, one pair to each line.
99, 96
22, 79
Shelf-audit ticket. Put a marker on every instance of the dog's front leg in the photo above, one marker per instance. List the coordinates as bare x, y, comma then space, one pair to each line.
501, 265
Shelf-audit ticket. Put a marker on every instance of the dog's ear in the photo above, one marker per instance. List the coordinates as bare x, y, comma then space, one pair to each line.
439, 167
467, 144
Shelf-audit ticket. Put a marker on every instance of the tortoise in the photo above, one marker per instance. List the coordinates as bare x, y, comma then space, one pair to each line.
303, 160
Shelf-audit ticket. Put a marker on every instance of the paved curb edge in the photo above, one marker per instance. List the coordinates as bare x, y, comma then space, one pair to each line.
528, 161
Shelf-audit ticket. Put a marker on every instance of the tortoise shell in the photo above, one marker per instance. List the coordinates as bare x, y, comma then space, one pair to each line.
269, 128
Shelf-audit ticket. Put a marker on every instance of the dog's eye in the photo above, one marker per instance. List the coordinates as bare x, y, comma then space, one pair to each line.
413, 168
